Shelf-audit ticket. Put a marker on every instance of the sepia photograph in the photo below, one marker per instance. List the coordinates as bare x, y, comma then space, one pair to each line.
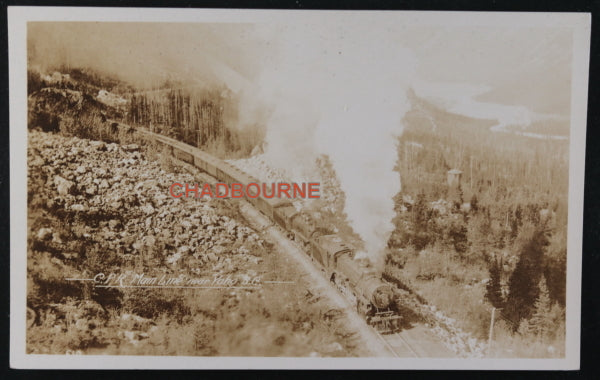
218, 185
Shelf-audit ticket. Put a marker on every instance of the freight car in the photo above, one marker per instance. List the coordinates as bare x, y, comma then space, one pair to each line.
355, 277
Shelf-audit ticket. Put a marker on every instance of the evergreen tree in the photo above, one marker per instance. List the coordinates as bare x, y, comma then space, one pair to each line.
474, 203
493, 289
555, 266
514, 225
420, 237
479, 231
541, 322
458, 236
460, 195
455, 195
523, 282
420, 213
557, 322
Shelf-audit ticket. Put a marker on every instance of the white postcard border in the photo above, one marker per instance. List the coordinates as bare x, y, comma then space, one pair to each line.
17, 38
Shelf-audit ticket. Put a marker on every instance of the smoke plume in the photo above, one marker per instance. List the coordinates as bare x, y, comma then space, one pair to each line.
340, 90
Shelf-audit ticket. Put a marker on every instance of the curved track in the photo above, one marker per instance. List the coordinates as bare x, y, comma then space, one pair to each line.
415, 342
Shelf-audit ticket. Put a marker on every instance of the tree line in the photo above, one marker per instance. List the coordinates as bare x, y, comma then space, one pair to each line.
205, 118
508, 214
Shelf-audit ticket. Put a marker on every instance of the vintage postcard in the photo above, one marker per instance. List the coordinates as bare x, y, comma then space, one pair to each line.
296, 189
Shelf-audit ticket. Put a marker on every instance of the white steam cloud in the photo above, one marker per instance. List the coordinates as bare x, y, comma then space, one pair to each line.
340, 90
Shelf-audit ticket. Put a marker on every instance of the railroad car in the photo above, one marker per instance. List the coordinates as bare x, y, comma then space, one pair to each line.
355, 277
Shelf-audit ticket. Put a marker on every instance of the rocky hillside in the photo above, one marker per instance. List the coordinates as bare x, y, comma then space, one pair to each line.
96, 207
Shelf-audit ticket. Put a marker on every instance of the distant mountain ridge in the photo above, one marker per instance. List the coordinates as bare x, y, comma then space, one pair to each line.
424, 112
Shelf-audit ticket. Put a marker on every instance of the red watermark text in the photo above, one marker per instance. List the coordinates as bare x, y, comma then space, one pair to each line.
251, 190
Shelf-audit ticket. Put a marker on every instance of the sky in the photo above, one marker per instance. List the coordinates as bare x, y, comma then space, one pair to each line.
528, 67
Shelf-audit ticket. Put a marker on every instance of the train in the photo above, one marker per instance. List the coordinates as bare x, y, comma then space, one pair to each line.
354, 277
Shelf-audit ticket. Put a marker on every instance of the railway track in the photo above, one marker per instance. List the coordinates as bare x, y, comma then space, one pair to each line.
407, 343
398, 345
395, 347
404, 344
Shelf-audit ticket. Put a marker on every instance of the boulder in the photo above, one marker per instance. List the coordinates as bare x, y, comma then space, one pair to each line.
91, 189
79, 207
148, 209
98, 145
211, 256
116, 205
44, 233
114, 224
63, 186
37, 161
131, 148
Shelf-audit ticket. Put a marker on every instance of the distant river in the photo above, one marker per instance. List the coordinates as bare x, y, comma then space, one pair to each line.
460, 99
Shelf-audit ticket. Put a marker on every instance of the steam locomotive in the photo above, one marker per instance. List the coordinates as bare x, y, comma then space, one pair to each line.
354, 277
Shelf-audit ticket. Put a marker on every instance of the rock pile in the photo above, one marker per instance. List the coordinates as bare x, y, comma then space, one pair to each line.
124, 204
457, 340
445, 328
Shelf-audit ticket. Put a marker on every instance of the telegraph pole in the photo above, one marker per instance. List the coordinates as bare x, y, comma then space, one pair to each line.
489, 347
